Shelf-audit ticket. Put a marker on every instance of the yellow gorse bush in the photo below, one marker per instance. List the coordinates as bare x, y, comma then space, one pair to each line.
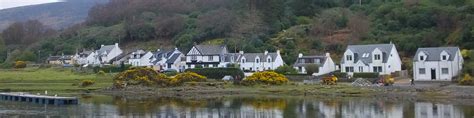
266, 77
148, 77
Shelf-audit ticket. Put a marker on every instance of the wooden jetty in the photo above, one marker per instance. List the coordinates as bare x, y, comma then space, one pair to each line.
38, 99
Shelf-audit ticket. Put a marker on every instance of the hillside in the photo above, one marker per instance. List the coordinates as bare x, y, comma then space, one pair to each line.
293, 26
56, 15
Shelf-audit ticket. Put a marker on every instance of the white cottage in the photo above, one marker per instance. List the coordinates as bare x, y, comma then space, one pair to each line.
140, 58
325, 63
379, 58
85, 57
437, 64
259, 61
207, 56
106, 53
169, 60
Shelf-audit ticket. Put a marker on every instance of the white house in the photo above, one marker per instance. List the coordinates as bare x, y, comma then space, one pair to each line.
437, 64
169, 60
379, 58
140, 58
85, 57
207, 56
106, 53
325, 63
259, 61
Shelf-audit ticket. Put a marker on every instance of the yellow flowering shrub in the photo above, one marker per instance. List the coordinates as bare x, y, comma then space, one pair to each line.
148, 77
20, 64
186, 77
266, 77
466, 80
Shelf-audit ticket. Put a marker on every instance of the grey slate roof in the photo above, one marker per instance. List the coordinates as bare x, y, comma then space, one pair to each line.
321, 58
434, 53
250, 57
158, 55
106, 49
210, 49
173, 58
360, 50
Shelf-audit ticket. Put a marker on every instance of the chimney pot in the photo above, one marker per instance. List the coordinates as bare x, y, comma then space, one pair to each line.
266, 52
300, 55
328, 55
241, 52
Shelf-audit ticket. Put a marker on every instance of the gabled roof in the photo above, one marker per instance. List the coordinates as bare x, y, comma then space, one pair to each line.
250, 57
434, 53
158, 55
210, 49
364, 52
321, 58
106, 49
173, 58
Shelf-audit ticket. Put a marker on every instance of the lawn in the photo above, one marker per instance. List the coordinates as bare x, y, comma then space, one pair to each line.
53, 80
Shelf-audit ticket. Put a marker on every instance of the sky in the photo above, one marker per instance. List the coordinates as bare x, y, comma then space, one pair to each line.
4, 4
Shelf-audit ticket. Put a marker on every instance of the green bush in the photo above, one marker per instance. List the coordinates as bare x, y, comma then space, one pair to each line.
170, 72
340, 74
112, 69
285, 69
101, 73
86, 83
366, 75
20, 64
466, 80
218, 73
311, 68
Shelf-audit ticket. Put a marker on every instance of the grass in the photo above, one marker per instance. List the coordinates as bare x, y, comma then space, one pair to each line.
53, 80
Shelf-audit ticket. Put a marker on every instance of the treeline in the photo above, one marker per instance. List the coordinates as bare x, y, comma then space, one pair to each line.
294, 26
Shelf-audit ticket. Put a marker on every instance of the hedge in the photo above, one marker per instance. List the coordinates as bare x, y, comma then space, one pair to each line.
112, 69
218, 73
340, 74
366, 75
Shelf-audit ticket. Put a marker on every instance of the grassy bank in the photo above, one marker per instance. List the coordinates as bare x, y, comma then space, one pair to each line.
54, 80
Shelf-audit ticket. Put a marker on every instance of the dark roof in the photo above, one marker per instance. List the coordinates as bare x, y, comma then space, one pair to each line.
250, 57
122, 57
173, 58
364, 52
210, 49
321, 58
434, 53
56, 58
106, 49
158, 55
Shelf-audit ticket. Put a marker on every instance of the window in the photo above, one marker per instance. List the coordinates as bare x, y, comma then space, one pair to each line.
349, 57
422, 58
377, 57
257, 60
422, 71
193, 57
445, 71
243, 60
349, 69
377, 68
211, 58
269, 60
300, 69
445, 57
361, 69
251, 69
318, 61
215, 65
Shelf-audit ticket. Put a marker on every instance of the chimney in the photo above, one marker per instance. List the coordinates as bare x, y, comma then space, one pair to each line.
116, 44
101, 45
278, 52
175, 48
158, 50
328, 55
300, 55
266, 52
241, 52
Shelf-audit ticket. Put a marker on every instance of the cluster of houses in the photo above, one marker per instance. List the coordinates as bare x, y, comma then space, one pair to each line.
429, 64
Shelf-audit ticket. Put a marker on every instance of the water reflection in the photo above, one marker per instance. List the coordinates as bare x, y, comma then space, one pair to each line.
239, 107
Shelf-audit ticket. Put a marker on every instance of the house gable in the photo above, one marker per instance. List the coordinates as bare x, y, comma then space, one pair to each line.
194, 51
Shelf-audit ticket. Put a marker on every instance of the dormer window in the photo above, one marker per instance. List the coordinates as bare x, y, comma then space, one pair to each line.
422, 58
269, 60
444, 57
349, 57
243, 60
377, 57
257, 60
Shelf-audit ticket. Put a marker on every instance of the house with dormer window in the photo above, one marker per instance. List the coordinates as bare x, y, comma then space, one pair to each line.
437, 64
378, 58
325, 63
107, 53
253, 62
207, 56
140, 58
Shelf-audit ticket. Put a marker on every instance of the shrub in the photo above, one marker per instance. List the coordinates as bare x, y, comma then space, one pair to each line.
285, 69
218, 73
311, 68
186, 77
138, 76
366, 75
466, 80
20, 64
86, 83
101, 73
112, 69
170, 72
266, 77
340, 74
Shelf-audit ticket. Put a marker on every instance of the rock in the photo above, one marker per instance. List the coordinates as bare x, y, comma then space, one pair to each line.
361, 82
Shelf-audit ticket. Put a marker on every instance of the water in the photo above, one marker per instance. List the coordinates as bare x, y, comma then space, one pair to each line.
245, 107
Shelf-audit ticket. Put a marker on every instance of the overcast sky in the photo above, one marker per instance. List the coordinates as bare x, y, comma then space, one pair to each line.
4, 4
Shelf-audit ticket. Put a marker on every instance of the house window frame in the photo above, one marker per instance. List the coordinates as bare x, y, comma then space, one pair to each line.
269, 60
361, 69
377, 57
210, 58
422, 58
257, 60
193, 57
349, 69
444, 57
422, 71
349, 57
444, 71
243, 60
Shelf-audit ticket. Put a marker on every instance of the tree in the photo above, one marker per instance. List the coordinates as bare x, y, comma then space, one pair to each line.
169, 26
26, 33
311, 68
